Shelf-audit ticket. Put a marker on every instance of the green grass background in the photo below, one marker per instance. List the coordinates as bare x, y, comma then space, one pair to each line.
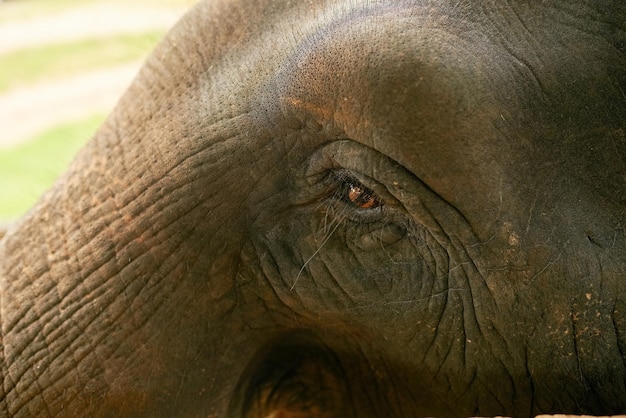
36, 64
29, 168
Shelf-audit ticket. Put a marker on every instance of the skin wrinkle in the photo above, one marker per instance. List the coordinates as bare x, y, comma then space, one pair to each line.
549, 264
441, 362
575, 14
337, 221
618, 333
531, 381
41, 390
26, 370
576, 349
115, 143
61, 349
345, 291
467, 265
266, 275
431, 344
61, 396
13, 380
352, 254
516, 49
17, 316
470, 298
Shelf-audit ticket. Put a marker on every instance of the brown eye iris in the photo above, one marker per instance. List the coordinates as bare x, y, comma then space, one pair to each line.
362, 197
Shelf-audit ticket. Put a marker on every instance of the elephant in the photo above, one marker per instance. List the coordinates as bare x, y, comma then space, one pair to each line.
338, 208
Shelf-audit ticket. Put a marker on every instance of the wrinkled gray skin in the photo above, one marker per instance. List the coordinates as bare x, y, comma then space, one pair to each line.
338, 208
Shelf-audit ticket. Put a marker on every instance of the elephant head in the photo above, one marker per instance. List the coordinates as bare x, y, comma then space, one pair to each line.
338, 208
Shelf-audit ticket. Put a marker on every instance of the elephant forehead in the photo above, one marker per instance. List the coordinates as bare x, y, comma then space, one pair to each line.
372, 65
394, 80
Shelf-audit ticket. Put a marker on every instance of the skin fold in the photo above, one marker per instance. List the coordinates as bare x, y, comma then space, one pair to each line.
338, 208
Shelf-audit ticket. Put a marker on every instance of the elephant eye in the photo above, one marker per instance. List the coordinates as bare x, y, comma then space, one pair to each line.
356, 194
361, 197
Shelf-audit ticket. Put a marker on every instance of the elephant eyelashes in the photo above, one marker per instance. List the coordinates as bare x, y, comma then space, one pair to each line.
356, 194
362, 197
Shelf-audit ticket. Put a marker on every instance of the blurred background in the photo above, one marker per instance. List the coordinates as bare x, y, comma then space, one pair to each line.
63, 65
